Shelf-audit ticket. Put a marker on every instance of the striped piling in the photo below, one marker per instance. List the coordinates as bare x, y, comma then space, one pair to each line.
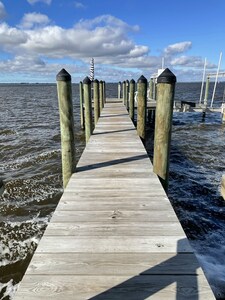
66, 124
163, 125
141, 106
88, 107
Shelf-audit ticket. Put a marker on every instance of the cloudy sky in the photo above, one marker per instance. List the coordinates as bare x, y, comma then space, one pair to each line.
126, 38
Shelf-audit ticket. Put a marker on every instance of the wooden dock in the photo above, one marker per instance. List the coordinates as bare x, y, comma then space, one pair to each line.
114, 234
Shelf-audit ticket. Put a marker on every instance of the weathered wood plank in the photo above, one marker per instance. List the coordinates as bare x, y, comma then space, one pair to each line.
114, 264
155, 287
118, 229
115, 216
70, 244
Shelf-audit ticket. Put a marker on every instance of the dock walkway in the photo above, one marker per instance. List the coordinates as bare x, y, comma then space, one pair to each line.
114, 234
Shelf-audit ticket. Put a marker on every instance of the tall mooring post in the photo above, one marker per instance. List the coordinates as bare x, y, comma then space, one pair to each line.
101, 95
81, 105
163, 125
141, 106
66, 124
104, 92
131, 104
96, 101
119, 89
88, 107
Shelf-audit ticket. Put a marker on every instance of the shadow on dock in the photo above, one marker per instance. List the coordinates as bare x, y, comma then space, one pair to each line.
111, 163
151, 281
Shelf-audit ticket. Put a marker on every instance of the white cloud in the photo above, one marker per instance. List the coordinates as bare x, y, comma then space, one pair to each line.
79, 5
31, 20
178, 48
10, 36
2, 11
35, 1
36, 43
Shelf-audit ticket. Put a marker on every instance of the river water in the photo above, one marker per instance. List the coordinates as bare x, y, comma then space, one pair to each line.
30, 167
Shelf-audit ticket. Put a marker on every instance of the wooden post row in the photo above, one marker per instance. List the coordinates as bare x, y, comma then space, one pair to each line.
66, 124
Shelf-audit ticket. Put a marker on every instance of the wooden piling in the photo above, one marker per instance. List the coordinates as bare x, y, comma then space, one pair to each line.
104, 92
141, 106
131, 104
96, 101
150, 95
119, 89
124, 92
66, 124
163, 125
101, 96
127, 94
81, 105
88, 107
223, 187
223, 112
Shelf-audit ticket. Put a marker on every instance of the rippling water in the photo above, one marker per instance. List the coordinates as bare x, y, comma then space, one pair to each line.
30, 168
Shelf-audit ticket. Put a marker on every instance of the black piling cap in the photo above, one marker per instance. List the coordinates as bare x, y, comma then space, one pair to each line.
132, 81
96, 81
63, 75
101, 81
166, 77
142, 79
86, 80
119, 82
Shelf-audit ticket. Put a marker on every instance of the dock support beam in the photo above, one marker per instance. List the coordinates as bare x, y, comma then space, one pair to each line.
163, 125
66, 124
81, 105
96, 100
131, 104
141, 106
88, 107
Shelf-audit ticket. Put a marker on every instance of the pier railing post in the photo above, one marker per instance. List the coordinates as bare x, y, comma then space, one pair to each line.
127, 94
131, 104
163, 125
66, 124
141, 106
119, 89
81, 105
101, 96
96, 101
88, 107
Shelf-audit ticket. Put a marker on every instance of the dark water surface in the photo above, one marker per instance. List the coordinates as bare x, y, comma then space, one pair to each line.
30, 167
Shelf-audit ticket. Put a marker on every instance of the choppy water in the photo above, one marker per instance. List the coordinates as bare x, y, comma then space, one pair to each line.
30, 167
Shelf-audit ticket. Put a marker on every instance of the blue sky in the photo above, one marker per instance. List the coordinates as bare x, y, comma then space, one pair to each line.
126, 38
